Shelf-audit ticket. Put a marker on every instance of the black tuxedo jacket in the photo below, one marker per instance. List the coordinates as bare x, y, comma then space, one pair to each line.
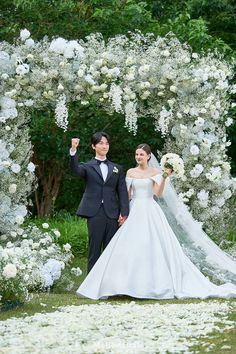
113, 191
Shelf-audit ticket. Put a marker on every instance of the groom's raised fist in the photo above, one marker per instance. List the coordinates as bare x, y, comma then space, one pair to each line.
74, 143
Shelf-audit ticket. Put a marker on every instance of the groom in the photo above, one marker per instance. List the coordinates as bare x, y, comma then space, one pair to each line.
105, 201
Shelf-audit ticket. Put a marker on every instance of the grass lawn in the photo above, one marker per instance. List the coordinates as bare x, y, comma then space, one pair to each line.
73, 231
49, 302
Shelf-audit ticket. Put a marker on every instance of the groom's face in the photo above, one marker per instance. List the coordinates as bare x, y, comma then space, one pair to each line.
102, 147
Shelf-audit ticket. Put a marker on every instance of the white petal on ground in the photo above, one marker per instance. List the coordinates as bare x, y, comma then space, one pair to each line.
119, 328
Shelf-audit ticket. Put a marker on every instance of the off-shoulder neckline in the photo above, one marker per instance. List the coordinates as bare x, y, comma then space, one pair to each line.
158, 174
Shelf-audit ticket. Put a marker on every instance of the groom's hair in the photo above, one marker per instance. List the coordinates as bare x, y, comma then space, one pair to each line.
97, 137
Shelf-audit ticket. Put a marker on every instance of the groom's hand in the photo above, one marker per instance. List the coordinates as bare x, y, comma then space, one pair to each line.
74, 143
121, 220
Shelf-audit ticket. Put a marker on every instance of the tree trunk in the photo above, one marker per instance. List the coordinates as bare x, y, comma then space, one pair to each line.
49, 180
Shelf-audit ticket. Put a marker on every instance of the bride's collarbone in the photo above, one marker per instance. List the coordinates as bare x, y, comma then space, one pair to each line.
140, 175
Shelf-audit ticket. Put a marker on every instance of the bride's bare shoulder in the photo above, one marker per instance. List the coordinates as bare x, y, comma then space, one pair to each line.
154, 171
130, 172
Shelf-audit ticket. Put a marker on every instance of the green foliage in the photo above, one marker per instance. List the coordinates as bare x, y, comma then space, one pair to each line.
203, 24
51, 146
73, 231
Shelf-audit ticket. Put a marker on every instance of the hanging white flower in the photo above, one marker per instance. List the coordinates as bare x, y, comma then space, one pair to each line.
61, 112
115, 96
131, 116
164, 120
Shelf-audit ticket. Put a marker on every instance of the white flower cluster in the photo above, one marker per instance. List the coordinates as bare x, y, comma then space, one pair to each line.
185, 94
29, 260
174, 162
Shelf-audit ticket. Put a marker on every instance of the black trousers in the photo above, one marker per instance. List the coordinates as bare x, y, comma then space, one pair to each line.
101, 229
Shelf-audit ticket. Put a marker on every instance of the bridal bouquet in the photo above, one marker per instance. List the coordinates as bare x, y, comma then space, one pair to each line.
174, 162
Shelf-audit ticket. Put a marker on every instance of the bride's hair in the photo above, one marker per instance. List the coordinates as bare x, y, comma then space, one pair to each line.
146, 148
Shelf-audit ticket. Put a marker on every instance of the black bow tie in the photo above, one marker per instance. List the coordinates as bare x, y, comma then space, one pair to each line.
100, 161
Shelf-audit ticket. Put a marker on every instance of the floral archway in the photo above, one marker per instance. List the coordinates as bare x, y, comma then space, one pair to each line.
138, 75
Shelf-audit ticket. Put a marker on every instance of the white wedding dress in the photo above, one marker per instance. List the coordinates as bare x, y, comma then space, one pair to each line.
144, 259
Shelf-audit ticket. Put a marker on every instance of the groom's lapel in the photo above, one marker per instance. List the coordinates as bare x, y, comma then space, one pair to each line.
96, 167
110, 170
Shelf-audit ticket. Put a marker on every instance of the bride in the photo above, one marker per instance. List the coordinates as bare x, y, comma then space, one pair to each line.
154, 258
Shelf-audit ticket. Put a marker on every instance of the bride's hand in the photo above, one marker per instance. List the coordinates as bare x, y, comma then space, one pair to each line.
169, 171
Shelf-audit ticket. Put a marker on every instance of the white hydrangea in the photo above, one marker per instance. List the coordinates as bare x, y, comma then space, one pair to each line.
194, 149
31, 167
22, 69
24, 34
9, 271
12, 188
196, 171
15, 167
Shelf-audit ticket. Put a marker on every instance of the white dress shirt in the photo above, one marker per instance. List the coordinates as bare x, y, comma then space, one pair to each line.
103, 166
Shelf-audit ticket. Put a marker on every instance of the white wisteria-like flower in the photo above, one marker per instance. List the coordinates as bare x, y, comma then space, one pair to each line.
61, 113
131, 116
115, 95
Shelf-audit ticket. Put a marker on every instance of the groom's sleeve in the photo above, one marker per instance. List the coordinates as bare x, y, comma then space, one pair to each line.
78, 168
123, 194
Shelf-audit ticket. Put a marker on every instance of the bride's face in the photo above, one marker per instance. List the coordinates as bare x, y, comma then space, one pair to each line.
141, 157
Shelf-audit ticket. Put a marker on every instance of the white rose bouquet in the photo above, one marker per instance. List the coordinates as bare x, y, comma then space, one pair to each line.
174, 162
